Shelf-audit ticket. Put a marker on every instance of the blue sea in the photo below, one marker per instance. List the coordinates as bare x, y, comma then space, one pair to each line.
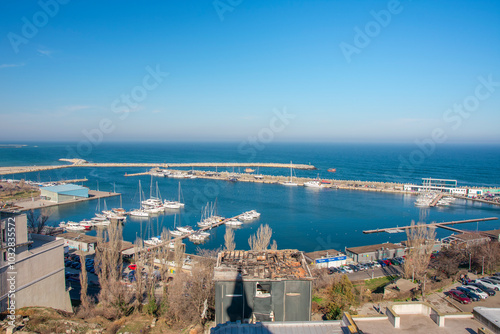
301, 218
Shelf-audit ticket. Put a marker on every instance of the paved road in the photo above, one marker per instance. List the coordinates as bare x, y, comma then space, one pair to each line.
375, 273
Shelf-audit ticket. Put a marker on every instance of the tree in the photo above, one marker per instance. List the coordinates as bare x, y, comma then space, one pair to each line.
37, 220
421, 239
229, 240
261, 239
84, 298
341, 298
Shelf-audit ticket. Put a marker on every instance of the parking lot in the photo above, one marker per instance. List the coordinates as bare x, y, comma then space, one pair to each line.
371, 270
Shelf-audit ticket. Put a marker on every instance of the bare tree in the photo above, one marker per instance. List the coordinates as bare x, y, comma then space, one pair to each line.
274, 245
113, 298
261, 239
229, 239
179, 249
37, 220
84, 298
421, 239
139, 283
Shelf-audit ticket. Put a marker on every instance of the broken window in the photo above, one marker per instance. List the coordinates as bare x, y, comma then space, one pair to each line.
263, 290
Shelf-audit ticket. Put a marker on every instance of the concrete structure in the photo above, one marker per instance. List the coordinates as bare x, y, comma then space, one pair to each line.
466, 239
489, 317
253, 286
296, 327
430, 184
78, 241
63, 193
371, 253
326, 258
35, 268
473, 193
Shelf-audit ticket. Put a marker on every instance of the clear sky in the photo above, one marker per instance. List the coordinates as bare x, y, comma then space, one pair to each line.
343, 70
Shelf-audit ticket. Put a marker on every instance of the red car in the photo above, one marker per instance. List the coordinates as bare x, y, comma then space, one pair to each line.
460, 296
132, 266
387, 262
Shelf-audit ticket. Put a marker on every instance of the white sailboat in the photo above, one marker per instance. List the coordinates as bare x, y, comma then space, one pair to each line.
290, 182
139, 212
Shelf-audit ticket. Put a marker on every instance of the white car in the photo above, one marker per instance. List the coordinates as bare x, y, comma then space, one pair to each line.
476, 290
376, 264
489, 283
349, 270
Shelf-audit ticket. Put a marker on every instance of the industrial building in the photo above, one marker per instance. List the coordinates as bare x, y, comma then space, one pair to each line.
63, 193
253, 286
34, 270
364, 254
326, 258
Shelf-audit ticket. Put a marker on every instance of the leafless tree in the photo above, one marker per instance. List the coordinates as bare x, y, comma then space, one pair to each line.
274, 245
179, 249
37, 220
229, 239
84, 298
139, 282
261, 239
421, 239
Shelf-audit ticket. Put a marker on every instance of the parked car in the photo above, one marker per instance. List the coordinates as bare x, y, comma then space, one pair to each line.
132, 266
131, 276
459, 296
489, 283
348, 269
484, 288
394, 262
387, 262
382, 263
473, 296
476, 290
376, 264
495, 279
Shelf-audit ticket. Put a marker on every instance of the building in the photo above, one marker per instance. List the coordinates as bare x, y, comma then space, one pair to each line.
34, 268
371, 253
63, 193
466, 239
441, 185
252, 286
78, 241
494, 235
326, 258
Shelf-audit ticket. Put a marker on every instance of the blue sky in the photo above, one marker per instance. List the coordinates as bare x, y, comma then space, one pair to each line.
232, 65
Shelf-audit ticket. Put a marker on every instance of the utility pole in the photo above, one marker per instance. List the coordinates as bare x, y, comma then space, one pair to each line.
482, 271
470, 260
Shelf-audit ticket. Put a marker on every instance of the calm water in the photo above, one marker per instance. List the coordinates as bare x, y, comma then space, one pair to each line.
301, 218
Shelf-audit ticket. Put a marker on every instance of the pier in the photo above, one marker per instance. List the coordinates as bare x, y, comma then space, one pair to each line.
38, 203
83, 163
436, 200
441, 225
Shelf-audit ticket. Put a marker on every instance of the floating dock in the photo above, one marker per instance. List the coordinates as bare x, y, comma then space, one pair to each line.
441, 225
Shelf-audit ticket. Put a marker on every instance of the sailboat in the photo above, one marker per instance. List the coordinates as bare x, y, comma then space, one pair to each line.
139, 212
174, 204
290, 182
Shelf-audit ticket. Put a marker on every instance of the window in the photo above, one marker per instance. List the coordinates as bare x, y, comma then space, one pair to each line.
263, 290
4, 237
5, 256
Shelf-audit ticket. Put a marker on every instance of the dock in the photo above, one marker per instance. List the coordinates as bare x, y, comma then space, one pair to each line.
441, 225
436, 200
41, 203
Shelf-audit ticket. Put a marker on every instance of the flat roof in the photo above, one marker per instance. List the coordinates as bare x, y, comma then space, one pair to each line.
373, 248
75, 236
298, 327
258, 265
64, 188
323, 254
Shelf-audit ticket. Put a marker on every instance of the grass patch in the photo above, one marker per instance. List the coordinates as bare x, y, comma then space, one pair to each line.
317, 299
377, 284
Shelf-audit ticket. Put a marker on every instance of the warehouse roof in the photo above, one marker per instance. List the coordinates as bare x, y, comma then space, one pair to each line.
298, 327
64, 188
258, 265
373, 248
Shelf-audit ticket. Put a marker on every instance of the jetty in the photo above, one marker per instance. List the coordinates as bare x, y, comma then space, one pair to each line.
83, 163
441, 225
436, 200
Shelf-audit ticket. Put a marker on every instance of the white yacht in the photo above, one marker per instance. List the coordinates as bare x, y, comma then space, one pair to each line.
313, 184
233, 222
185, 229
139, 213
73, 226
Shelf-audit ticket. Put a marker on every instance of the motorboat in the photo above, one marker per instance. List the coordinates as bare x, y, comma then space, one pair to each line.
154, 241
139, 213
73, 226
233, 222
313, 184
185, 229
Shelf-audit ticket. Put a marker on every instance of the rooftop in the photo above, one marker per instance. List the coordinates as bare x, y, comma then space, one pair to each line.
373, 248
64, 188
298, 327
257, 265
88, 239
323, 254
